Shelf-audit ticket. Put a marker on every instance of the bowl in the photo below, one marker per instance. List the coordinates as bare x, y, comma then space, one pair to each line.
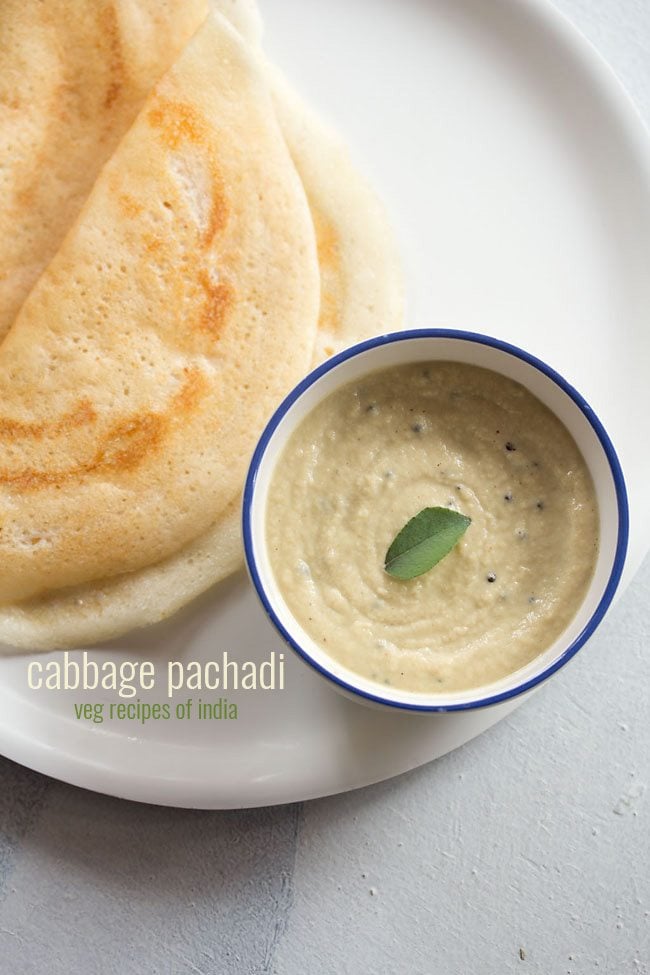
401, 348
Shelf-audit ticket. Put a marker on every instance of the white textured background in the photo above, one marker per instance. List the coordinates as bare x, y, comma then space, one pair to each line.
526, 851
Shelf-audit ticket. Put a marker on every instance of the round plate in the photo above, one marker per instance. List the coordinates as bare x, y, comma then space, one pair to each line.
517, 174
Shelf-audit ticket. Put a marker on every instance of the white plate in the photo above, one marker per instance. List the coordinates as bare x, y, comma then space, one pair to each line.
518, 176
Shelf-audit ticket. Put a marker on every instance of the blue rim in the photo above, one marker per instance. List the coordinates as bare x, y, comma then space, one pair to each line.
581, 403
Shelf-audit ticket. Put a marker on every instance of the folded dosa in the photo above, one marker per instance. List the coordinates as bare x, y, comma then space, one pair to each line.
361, 296
179, 309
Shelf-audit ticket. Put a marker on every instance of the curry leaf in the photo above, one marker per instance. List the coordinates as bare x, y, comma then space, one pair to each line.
424, 541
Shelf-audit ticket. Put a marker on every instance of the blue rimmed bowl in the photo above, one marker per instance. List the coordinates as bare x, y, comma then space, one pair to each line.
402, 348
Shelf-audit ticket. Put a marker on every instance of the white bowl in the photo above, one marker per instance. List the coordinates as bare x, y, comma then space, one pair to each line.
398, 349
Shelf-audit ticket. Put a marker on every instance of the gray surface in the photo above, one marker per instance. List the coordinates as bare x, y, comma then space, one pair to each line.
532, 839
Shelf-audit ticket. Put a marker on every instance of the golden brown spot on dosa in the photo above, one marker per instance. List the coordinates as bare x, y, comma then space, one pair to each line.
219, 299
112, 93
25, 196
11, 101
125, 444
327, 240
129, 206
81, 414
329, 260
219, 211
151, 243
178, 122
189, 395
111, 33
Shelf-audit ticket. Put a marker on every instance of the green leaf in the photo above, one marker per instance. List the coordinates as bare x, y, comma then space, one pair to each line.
424, 541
